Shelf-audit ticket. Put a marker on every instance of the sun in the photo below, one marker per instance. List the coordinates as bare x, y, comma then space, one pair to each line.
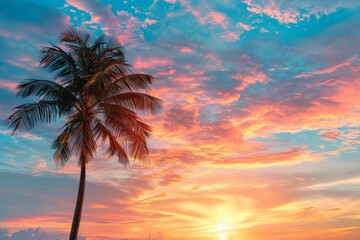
221, 230
222, 236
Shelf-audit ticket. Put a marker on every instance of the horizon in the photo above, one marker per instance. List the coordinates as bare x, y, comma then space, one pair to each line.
258, 137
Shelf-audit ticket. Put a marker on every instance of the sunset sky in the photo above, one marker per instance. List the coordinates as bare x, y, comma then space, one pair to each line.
258, 138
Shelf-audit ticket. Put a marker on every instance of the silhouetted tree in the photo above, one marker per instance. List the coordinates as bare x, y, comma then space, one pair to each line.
95, 92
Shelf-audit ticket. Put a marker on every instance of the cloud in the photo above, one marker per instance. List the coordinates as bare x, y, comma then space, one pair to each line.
217, 18
179, 117
329, 70
26, 234
149, 63
272, 10
329, 135
31, 234
186, 50
8, 85
148, 22
354, 181
28, 136
120, 24
290, 156
292, 12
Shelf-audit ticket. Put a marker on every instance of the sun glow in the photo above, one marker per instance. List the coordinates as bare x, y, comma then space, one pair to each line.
222, 236
221, 229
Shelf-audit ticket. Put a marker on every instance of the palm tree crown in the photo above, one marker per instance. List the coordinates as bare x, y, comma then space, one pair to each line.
95, 91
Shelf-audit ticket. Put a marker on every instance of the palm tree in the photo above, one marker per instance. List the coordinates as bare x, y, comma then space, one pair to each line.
94, 91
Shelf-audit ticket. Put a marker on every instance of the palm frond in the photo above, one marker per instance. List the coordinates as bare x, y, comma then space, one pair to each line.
136, 101
99, 84
115, 148
128, 129
83, 139
114, 51
61, 144
98, 45
55, 59
64, 143
131, 135
131, 82
47, 90
88, 146
27, 116
127, 117
116, 69
73, 35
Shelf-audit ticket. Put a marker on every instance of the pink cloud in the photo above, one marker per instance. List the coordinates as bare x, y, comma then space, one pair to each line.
205, 15
79, 5
121, 24
328, 70
180, 117
148, 22
166, 73
245, 26
96, 19
225, 98
24, 62
294, 11
230, 36
329, 135
149, 63
193, 11
320, 111
213, 61
217, 18
38, 167
186, 50
249, 73
252, 77
8, 85
271, 8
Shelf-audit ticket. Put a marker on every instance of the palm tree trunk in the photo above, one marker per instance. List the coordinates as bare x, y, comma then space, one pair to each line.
79, 204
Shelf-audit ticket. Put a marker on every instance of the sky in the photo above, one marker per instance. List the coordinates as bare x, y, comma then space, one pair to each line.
258, 138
